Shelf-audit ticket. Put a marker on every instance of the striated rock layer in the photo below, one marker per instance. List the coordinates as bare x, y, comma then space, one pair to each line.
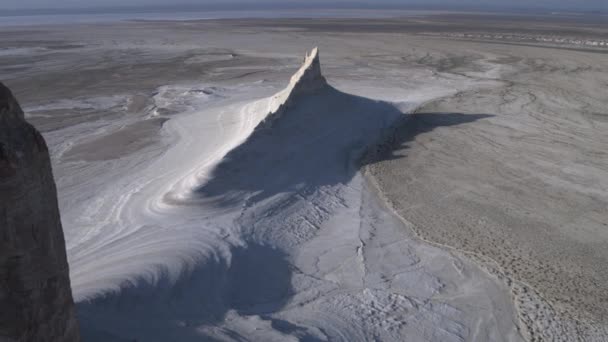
35, 296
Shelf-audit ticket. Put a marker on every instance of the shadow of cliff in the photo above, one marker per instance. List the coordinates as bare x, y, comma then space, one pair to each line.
405, 130
257, 281
318, 141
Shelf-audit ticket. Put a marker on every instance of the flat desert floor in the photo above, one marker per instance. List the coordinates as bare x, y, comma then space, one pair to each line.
450, 185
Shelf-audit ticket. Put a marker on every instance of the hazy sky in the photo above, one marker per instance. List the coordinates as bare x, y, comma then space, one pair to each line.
582, 5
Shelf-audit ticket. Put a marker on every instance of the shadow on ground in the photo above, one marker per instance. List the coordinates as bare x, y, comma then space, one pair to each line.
257, 281
315, 143
405, 130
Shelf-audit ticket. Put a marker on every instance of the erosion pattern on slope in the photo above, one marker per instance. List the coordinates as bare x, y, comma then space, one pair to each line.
35, 295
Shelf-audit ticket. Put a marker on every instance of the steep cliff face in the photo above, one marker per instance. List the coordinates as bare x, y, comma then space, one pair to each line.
35, 296
307, 80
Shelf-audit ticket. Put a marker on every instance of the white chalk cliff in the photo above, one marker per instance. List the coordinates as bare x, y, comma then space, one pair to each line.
307, 80
268, 233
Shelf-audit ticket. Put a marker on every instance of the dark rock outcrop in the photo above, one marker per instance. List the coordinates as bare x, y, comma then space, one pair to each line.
35, 296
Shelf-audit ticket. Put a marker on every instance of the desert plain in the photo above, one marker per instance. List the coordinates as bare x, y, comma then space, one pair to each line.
448, 183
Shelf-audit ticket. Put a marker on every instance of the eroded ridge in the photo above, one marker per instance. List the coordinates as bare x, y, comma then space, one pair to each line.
307, 80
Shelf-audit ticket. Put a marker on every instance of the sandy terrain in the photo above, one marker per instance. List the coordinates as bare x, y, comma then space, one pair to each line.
525, 187
187, 220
